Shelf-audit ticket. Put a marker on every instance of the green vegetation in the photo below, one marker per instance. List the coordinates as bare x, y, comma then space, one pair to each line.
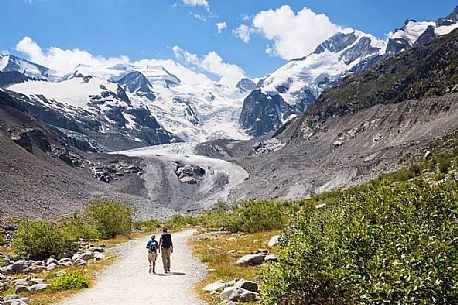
43, 238
381, 244
110, 217
70, 281
147, 225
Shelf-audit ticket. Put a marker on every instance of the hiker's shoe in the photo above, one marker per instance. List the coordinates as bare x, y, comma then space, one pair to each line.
149, 270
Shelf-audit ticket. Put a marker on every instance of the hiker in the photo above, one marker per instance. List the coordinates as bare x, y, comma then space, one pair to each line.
152, 247
166, 247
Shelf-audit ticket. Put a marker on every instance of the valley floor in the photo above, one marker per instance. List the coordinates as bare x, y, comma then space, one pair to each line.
127, 281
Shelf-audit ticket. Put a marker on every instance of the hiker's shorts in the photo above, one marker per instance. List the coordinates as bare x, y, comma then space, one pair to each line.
152, 256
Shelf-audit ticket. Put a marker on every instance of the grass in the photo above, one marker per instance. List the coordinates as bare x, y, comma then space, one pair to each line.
221, 251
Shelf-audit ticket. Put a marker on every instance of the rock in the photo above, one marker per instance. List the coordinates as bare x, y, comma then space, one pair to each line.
60, 273
248, 285
36, 280
38, 287
87, 256
99, 256
270, 258
218, 285
64, 260
23, 282
273, 241
12, 297
97, 249
237, 295
51, 266
21, 289
80, 262
251, 259
19, 266
51, 260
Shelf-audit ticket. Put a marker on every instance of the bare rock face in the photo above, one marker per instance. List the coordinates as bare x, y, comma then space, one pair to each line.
188, 173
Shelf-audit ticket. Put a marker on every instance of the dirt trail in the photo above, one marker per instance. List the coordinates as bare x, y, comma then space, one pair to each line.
127, 281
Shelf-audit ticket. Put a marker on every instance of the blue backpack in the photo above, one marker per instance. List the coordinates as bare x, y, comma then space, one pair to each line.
152, 245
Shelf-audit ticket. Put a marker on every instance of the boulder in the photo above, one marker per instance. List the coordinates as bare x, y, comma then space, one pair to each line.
251, 259
273, 241
98, 256
19, 266
38, 287
87, 256
60, 273
21, 289
270, 258
248, 285
24, 282
218, 285
51, 260
12, 297
237, 295
36, 280
51, 266
80, 262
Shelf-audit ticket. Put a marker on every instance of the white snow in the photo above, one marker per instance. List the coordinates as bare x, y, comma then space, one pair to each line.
445, 29
308, 72
74, 92
412, 30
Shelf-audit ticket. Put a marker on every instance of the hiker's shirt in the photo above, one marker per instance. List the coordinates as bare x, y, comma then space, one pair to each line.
166, 240
152, 246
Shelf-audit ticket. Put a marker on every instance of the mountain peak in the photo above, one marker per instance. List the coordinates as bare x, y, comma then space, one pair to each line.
136, 82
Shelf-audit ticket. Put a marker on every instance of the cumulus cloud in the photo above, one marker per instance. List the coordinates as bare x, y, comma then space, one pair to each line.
220, 26
293, 35
64, 61
203, 3
229, 74
244, 33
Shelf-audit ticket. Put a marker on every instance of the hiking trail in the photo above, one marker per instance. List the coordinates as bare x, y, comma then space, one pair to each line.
127, 280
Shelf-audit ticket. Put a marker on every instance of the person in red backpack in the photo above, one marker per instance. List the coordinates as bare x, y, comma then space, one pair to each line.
166, 248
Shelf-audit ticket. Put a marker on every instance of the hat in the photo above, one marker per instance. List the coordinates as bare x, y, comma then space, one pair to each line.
164, 229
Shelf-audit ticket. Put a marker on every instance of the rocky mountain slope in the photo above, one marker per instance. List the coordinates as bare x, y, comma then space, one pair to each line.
42, 174
356, 130
293, 87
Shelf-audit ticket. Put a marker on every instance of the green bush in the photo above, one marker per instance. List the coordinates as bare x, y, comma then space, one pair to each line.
70, 281
110, 217
383, 244
42, 238
147, 225
179, 221
80, 227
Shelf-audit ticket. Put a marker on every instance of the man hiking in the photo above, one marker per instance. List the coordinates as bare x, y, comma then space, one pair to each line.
165, 248
152, 247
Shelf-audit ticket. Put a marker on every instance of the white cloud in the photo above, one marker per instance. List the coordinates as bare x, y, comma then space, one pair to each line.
203, 3
245, 17
64, 61
220, 26
229, 74
293, 35
244, 33
200, 17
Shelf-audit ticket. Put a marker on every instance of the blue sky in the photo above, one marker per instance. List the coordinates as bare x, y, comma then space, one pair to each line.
152, 28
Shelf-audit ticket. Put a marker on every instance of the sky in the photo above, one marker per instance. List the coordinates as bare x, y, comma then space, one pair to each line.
226, 39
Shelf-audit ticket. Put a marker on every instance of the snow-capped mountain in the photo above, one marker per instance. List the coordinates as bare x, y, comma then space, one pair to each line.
92, 109
145, 104
290, 89
11, 63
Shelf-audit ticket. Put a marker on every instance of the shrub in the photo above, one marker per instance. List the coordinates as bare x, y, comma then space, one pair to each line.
110, 217
147, 225
42, 238
393, 244
179, 221
70, 281
80, 227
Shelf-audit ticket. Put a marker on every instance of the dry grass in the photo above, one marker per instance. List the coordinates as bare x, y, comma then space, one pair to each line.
221, 251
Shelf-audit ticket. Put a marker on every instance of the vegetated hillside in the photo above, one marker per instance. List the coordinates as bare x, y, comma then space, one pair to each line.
356, 130
42, 174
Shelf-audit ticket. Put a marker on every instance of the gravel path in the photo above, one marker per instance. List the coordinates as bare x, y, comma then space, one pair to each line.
127, 281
